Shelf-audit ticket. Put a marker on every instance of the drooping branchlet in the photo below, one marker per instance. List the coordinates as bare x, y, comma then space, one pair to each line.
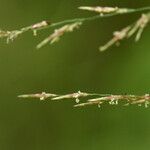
54, 37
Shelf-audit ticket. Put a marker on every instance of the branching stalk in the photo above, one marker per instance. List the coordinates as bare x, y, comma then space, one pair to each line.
104, 13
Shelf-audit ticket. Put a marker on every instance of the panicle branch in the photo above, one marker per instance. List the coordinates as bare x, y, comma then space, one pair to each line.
99, 99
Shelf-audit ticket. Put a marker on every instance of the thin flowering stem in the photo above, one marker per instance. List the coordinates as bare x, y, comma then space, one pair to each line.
95, 99
128, 11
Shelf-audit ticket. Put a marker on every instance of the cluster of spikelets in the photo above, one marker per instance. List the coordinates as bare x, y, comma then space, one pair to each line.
136, 28
54, 37
70, 25
126, 32
11, 35
100, 99
105, 10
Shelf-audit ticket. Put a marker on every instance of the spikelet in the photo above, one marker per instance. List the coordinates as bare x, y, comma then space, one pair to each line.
75, 96
41, 96
105, 10
99, 9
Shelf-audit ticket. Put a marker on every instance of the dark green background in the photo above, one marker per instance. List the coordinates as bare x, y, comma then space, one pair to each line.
68, 66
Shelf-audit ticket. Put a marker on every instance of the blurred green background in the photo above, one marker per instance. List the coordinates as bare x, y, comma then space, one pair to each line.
70, 65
